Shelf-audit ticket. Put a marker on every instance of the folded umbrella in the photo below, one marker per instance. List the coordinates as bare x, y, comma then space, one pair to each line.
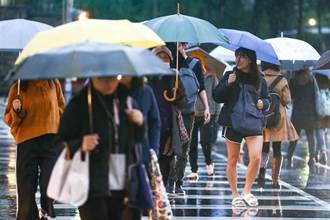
90, 59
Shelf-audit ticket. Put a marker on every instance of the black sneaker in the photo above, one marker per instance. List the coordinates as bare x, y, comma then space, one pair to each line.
179, 190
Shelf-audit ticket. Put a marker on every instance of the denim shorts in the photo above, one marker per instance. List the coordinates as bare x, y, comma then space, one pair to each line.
233, 136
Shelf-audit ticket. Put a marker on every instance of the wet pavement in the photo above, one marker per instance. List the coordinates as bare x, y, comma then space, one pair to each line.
305, 193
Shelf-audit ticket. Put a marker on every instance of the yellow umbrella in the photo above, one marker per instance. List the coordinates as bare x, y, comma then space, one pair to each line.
95, 30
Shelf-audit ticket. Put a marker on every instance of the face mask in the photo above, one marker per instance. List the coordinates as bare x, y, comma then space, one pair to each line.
168, 65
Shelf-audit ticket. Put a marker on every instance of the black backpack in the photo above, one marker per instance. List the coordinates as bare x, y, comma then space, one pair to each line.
273, 114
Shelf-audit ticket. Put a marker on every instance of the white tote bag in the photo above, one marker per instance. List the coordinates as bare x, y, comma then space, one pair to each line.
69, 181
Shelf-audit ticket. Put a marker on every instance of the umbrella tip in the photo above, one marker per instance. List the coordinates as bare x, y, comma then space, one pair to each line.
178, 8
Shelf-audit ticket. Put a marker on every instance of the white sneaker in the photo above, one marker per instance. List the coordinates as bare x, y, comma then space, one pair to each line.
192, 176
210, 169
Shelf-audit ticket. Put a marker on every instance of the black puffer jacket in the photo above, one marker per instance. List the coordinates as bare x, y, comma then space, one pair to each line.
228, 94
74, 125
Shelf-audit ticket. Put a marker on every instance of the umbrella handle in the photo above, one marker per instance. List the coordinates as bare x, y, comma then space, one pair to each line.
169, 99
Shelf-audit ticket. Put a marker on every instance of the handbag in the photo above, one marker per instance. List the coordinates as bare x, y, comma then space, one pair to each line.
138, 187
69, 180
162, 207
246, 118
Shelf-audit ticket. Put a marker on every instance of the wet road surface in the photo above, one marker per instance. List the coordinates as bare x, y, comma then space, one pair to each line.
305, 192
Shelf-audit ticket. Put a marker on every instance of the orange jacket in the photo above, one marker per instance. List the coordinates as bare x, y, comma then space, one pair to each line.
43, 104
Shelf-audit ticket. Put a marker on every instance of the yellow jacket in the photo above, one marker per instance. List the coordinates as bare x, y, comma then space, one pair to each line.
43, 103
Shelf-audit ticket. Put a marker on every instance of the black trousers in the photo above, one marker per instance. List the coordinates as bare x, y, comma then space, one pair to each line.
207, 133
108, 208
164, 160
311, 143
35, 160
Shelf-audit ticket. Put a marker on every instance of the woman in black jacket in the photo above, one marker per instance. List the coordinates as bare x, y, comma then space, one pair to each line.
103, 202
227, 92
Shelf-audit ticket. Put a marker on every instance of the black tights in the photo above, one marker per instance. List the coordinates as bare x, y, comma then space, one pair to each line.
276, 148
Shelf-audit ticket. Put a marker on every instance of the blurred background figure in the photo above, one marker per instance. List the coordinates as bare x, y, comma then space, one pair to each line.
283, 130
304, 116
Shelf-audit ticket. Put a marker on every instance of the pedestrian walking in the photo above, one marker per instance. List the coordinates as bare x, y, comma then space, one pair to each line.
321, 132
302, 87
283, 130
117, 127
159, 85
186, 113
208, 131
145, 98
245, 81
33, 114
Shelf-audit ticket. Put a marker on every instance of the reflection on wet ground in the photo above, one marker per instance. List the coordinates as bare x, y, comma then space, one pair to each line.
305, 192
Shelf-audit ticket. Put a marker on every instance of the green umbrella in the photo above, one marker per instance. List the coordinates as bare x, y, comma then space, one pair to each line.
183, 28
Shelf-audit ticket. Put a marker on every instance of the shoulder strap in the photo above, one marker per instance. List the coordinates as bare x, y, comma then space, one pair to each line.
276, 80
192, 63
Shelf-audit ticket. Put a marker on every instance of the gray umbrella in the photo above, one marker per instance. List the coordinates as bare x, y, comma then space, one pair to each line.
91, 59
324, 62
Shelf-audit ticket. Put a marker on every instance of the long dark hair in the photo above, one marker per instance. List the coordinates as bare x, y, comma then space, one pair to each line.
25, 84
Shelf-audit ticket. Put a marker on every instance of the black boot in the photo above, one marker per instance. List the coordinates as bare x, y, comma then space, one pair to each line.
261, 177
291, 149
323, 157
276, 169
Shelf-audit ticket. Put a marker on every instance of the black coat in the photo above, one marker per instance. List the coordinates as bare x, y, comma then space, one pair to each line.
74, 125
228, 94
304, 114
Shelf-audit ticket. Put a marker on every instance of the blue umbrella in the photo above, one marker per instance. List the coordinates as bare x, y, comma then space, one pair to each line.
264, 50
323, 72
16, 33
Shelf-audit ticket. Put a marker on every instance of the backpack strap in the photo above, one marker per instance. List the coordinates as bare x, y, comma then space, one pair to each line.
192, 63
275, 82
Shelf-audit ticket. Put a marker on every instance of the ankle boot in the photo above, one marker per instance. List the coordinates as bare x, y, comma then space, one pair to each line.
276, 169
261, 177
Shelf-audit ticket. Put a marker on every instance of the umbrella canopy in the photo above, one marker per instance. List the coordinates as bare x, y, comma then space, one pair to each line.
16, 33
323, 62
210, 63
294, 54
90, 60
323, 72
264, 50
94, 30
183, 28
224, 54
